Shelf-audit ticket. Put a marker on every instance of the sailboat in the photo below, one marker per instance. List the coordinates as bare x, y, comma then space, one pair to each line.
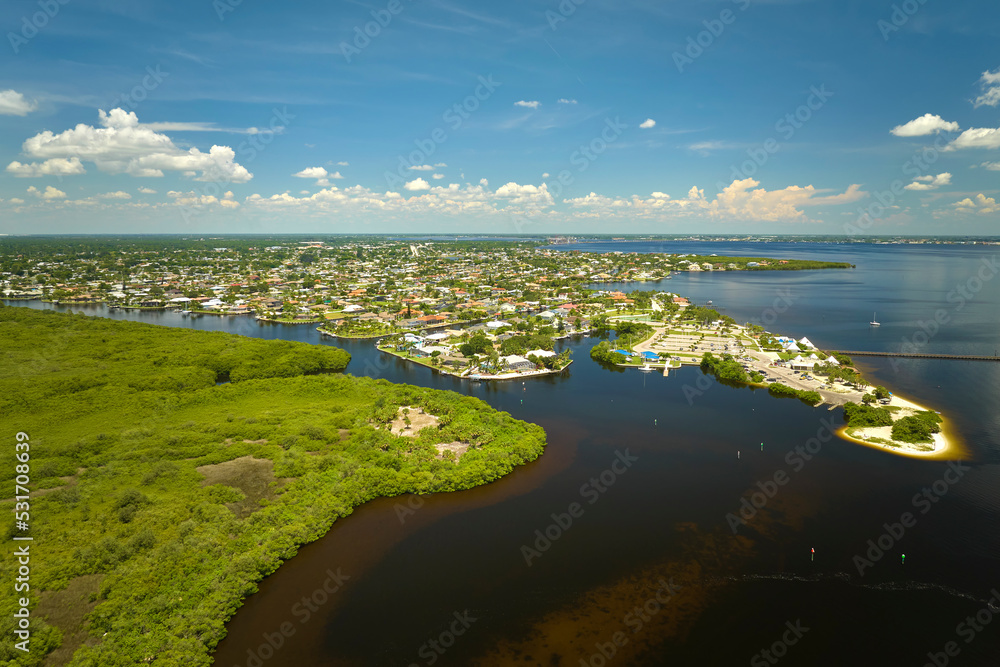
874, 323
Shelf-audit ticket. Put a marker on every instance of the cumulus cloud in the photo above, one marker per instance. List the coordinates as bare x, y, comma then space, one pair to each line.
12, 103
437, 177
54, 167
563, 100
421, 167
311, 172
147, 191
977, 137
122, 145
120, 194
343, 163
48, 193
417, 184
929, 182
926, 124
992, 166
536, 195
742, 200
648, 123
532, 104
739, 201
990, 83
982, 205
193, 199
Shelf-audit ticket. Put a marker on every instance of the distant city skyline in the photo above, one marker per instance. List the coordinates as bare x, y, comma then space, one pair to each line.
574, 117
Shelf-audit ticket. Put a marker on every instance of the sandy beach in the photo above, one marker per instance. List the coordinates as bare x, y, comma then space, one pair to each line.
941, 447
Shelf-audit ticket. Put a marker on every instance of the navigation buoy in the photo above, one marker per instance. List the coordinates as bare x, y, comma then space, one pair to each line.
812, 557
737, 454
904, 559
654, 422
762, 446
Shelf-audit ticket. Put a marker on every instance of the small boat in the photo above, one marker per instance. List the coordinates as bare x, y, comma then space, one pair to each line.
646, 368
185, 312
874, 323
710, 302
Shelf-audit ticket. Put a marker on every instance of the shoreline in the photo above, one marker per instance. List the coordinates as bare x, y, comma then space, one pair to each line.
945, 447
479, 377
943, 444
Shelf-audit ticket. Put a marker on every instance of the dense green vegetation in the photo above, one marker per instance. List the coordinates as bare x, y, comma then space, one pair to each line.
741, 263
631, 333
604, 353
171, 496
778, 389
353, 328
725, 368
865, 415
526, 343
917, 428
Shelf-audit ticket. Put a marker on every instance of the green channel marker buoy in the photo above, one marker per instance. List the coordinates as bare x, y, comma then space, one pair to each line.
762, 446
904, 559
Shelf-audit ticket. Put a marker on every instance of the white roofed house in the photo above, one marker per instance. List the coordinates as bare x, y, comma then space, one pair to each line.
800, 363
805, 342
517, 363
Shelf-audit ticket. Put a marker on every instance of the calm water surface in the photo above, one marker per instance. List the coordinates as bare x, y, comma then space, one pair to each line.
664, 518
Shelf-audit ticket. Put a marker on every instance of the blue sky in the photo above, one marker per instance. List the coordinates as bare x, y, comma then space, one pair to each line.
728, 116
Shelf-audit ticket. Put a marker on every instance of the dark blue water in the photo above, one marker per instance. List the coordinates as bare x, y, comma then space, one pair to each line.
666, 516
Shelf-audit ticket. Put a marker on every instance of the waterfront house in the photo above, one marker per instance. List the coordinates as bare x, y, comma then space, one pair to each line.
517, 363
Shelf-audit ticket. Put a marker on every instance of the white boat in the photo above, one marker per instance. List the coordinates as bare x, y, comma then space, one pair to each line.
874, 323
185, 312
646, 368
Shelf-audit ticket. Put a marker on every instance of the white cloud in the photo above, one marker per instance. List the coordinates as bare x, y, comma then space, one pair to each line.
440, 165
437, 177
990, 82
417, 184
54, 167
545, 175
536, 195
982, 205
311, 172
977, 137
192, 199
563, 100
533, 104
321, 175
926, 124
173, 126
12, 103
992, 166
929, 182
16, 200
122, 145
421, 167
147, 191
120, 194
49, 192
343, 164
740, 202
648, 123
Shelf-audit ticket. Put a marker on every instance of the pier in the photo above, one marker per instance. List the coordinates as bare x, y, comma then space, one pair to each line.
916, 355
